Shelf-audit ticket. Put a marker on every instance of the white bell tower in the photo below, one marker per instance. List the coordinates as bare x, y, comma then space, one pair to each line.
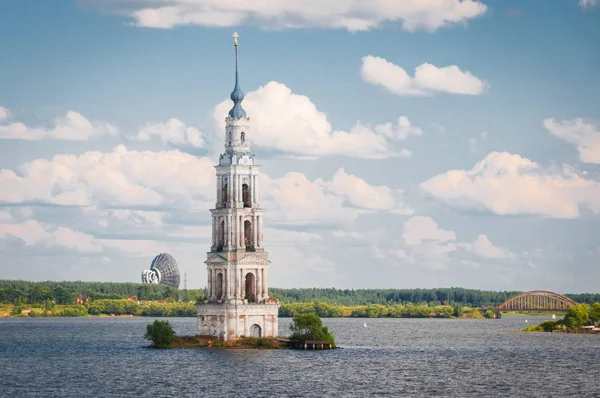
238, 302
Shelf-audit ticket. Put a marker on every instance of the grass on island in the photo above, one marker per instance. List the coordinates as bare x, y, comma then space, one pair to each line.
213, 342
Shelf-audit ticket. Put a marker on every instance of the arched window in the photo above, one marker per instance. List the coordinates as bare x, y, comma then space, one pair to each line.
250, 287
221, 236
243, 137
225, 197
248, 235
219, 287
246, 195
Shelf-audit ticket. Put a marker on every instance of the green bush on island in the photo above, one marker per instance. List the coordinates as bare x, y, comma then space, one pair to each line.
547, 326
310, 327
595, 313
577, 316
160, 333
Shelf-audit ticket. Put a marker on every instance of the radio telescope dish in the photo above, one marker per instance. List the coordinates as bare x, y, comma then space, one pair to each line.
163, 270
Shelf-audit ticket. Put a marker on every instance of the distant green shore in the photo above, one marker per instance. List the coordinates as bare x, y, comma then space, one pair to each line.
76, 298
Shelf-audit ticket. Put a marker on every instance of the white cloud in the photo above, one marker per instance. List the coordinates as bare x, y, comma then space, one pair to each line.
482, 247
348, 234
473, 144
292, 123
120, 177
276, 236
5, 113
428, 80
429, 246
585, 136
473, 141
132, 181
359, 193
294, 199
33, 233
401, 131
173, 131
135, 248
505, 183
353, 16
588, 3
418, 229
73, 126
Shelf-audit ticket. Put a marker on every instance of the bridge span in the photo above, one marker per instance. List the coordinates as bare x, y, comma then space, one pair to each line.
536, 300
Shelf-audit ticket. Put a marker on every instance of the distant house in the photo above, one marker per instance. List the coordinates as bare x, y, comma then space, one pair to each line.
80, 300
132, 298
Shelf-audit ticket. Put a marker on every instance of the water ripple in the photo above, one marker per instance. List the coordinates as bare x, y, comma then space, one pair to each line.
389, 358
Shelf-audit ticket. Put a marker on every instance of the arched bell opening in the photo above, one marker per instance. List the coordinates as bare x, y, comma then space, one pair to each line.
219, 287
221, 236
224, 194
246, 195
248, 241
250, 287
243, 137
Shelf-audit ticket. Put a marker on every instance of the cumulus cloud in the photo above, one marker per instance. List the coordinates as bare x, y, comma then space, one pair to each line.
584, 135
427, 81
358, 193
291, 123
411, 15
294, 199
505, 183
173, 131
588, 3
34, 233
482, 247
73, 126
119, 178
5, 113
418, 229
137, 186
429, 246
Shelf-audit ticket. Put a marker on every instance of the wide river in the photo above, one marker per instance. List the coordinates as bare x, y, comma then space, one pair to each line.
105, 357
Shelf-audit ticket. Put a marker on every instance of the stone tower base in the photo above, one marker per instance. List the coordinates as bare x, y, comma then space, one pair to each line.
230, 321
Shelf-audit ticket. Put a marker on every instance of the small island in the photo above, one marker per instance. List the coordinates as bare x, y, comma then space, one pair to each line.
580, 318
307, 330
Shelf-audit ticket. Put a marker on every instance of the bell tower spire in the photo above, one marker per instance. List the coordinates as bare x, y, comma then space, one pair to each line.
237, 95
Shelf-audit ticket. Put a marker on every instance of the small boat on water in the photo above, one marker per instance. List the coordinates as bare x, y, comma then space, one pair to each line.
553, 316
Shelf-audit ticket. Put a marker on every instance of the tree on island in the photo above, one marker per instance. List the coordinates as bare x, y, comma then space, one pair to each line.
310, 327
577, 316
160, 333
595, 313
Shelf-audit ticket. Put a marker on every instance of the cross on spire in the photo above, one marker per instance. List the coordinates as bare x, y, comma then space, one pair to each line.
235, 38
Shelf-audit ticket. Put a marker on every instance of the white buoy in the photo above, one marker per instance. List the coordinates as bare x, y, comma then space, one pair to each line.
365, 324
525, 320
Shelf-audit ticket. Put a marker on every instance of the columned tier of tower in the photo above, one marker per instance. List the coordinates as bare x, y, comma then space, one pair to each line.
237, 184
237, 230
240, 278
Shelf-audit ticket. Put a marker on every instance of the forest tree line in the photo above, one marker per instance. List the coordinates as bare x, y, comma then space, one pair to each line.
66, 292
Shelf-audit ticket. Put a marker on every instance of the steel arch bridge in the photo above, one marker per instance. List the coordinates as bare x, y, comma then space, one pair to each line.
536, 300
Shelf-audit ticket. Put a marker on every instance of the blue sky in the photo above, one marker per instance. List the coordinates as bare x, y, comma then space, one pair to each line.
511, 86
